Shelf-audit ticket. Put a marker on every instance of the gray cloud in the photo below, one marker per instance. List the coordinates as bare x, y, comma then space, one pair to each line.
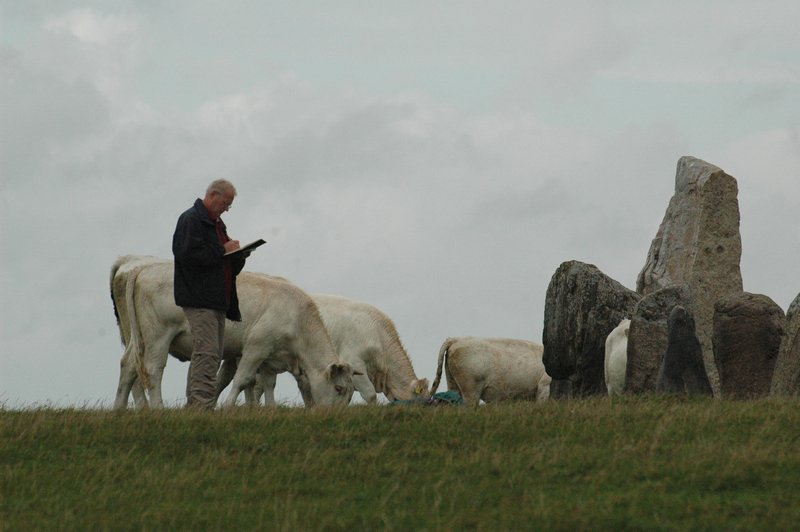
440, 167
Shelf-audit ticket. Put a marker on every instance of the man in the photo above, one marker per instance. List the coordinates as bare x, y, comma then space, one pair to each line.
205, 286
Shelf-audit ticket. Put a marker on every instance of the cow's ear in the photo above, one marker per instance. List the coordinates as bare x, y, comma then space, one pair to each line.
334, 371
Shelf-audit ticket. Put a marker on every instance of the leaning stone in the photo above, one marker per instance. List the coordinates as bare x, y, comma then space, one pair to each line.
698, 243
786, 378
682, 370
648, 336
582, 306
748, 329
561, 389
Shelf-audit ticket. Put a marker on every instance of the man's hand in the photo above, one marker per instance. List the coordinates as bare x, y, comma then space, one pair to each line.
231, 245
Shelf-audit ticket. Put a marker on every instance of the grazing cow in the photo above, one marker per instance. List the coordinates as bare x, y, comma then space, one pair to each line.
365, 338
493, 369
616, 358
280, 328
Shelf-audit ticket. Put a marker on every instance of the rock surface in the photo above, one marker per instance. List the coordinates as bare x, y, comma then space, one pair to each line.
748, 329
648, 337
682, 370
582, 306
698, 243
786, 378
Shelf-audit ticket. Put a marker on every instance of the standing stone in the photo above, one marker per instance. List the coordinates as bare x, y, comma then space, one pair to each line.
698, 243
682, 370
786, 379
648, 336
582, 306
561, 389
748, 329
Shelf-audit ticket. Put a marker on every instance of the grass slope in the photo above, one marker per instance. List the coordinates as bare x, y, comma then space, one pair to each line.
644, 463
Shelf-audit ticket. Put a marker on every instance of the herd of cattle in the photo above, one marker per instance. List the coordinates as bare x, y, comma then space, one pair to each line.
331, 345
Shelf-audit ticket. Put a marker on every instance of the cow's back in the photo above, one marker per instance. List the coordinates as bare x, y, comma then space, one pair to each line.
351, 324
157, 314
367, 338
496, 369
281, 318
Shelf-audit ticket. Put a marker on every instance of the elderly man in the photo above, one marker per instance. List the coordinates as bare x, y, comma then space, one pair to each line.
205, 286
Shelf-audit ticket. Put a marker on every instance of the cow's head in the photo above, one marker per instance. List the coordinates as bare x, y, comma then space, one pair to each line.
334, 386
420, 389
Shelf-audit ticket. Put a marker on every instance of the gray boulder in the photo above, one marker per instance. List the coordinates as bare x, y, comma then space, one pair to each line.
786, 378
748, 329
682, 370
698, 243
582, 306
648, 337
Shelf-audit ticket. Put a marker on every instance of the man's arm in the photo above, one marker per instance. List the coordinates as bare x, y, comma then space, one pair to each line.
188, 244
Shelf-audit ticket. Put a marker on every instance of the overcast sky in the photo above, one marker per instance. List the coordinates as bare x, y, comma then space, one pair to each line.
438, 160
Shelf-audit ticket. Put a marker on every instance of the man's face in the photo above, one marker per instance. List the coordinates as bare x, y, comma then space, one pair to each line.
219, 203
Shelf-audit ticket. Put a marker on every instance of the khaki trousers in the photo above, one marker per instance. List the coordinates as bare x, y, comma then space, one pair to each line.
208, 331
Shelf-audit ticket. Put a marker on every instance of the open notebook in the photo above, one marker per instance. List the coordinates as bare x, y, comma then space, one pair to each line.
249, 247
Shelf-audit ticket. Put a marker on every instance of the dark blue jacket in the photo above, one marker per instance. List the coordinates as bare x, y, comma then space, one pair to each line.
199, 277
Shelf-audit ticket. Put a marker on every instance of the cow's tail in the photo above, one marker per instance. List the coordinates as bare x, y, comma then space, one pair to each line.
442, 354
136, 345
114, 269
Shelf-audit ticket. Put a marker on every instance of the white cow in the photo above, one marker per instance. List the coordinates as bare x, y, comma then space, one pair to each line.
493, 369
365, 338
281, 328
616, 358
120, 273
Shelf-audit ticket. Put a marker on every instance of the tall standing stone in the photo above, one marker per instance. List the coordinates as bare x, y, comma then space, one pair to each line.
698, 243
582, 306
786, 378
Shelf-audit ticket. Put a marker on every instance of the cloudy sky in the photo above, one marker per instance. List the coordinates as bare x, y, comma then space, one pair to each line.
438, 160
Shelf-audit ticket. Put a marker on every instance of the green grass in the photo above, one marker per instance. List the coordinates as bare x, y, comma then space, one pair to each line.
638, 463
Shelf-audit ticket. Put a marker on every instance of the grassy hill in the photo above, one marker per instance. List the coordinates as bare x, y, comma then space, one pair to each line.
645, 463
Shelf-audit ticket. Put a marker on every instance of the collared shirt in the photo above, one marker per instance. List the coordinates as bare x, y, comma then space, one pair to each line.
227, 269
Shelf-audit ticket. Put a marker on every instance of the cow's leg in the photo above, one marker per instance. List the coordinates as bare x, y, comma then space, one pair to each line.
451, 381
305, 389
265, 385
127, 376
543, 388
225, 374
154, 364
244, 377
252, 393
139, 397
364, 386
156, 373
469, 390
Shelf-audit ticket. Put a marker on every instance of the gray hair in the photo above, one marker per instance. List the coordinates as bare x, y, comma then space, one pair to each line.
220, 186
